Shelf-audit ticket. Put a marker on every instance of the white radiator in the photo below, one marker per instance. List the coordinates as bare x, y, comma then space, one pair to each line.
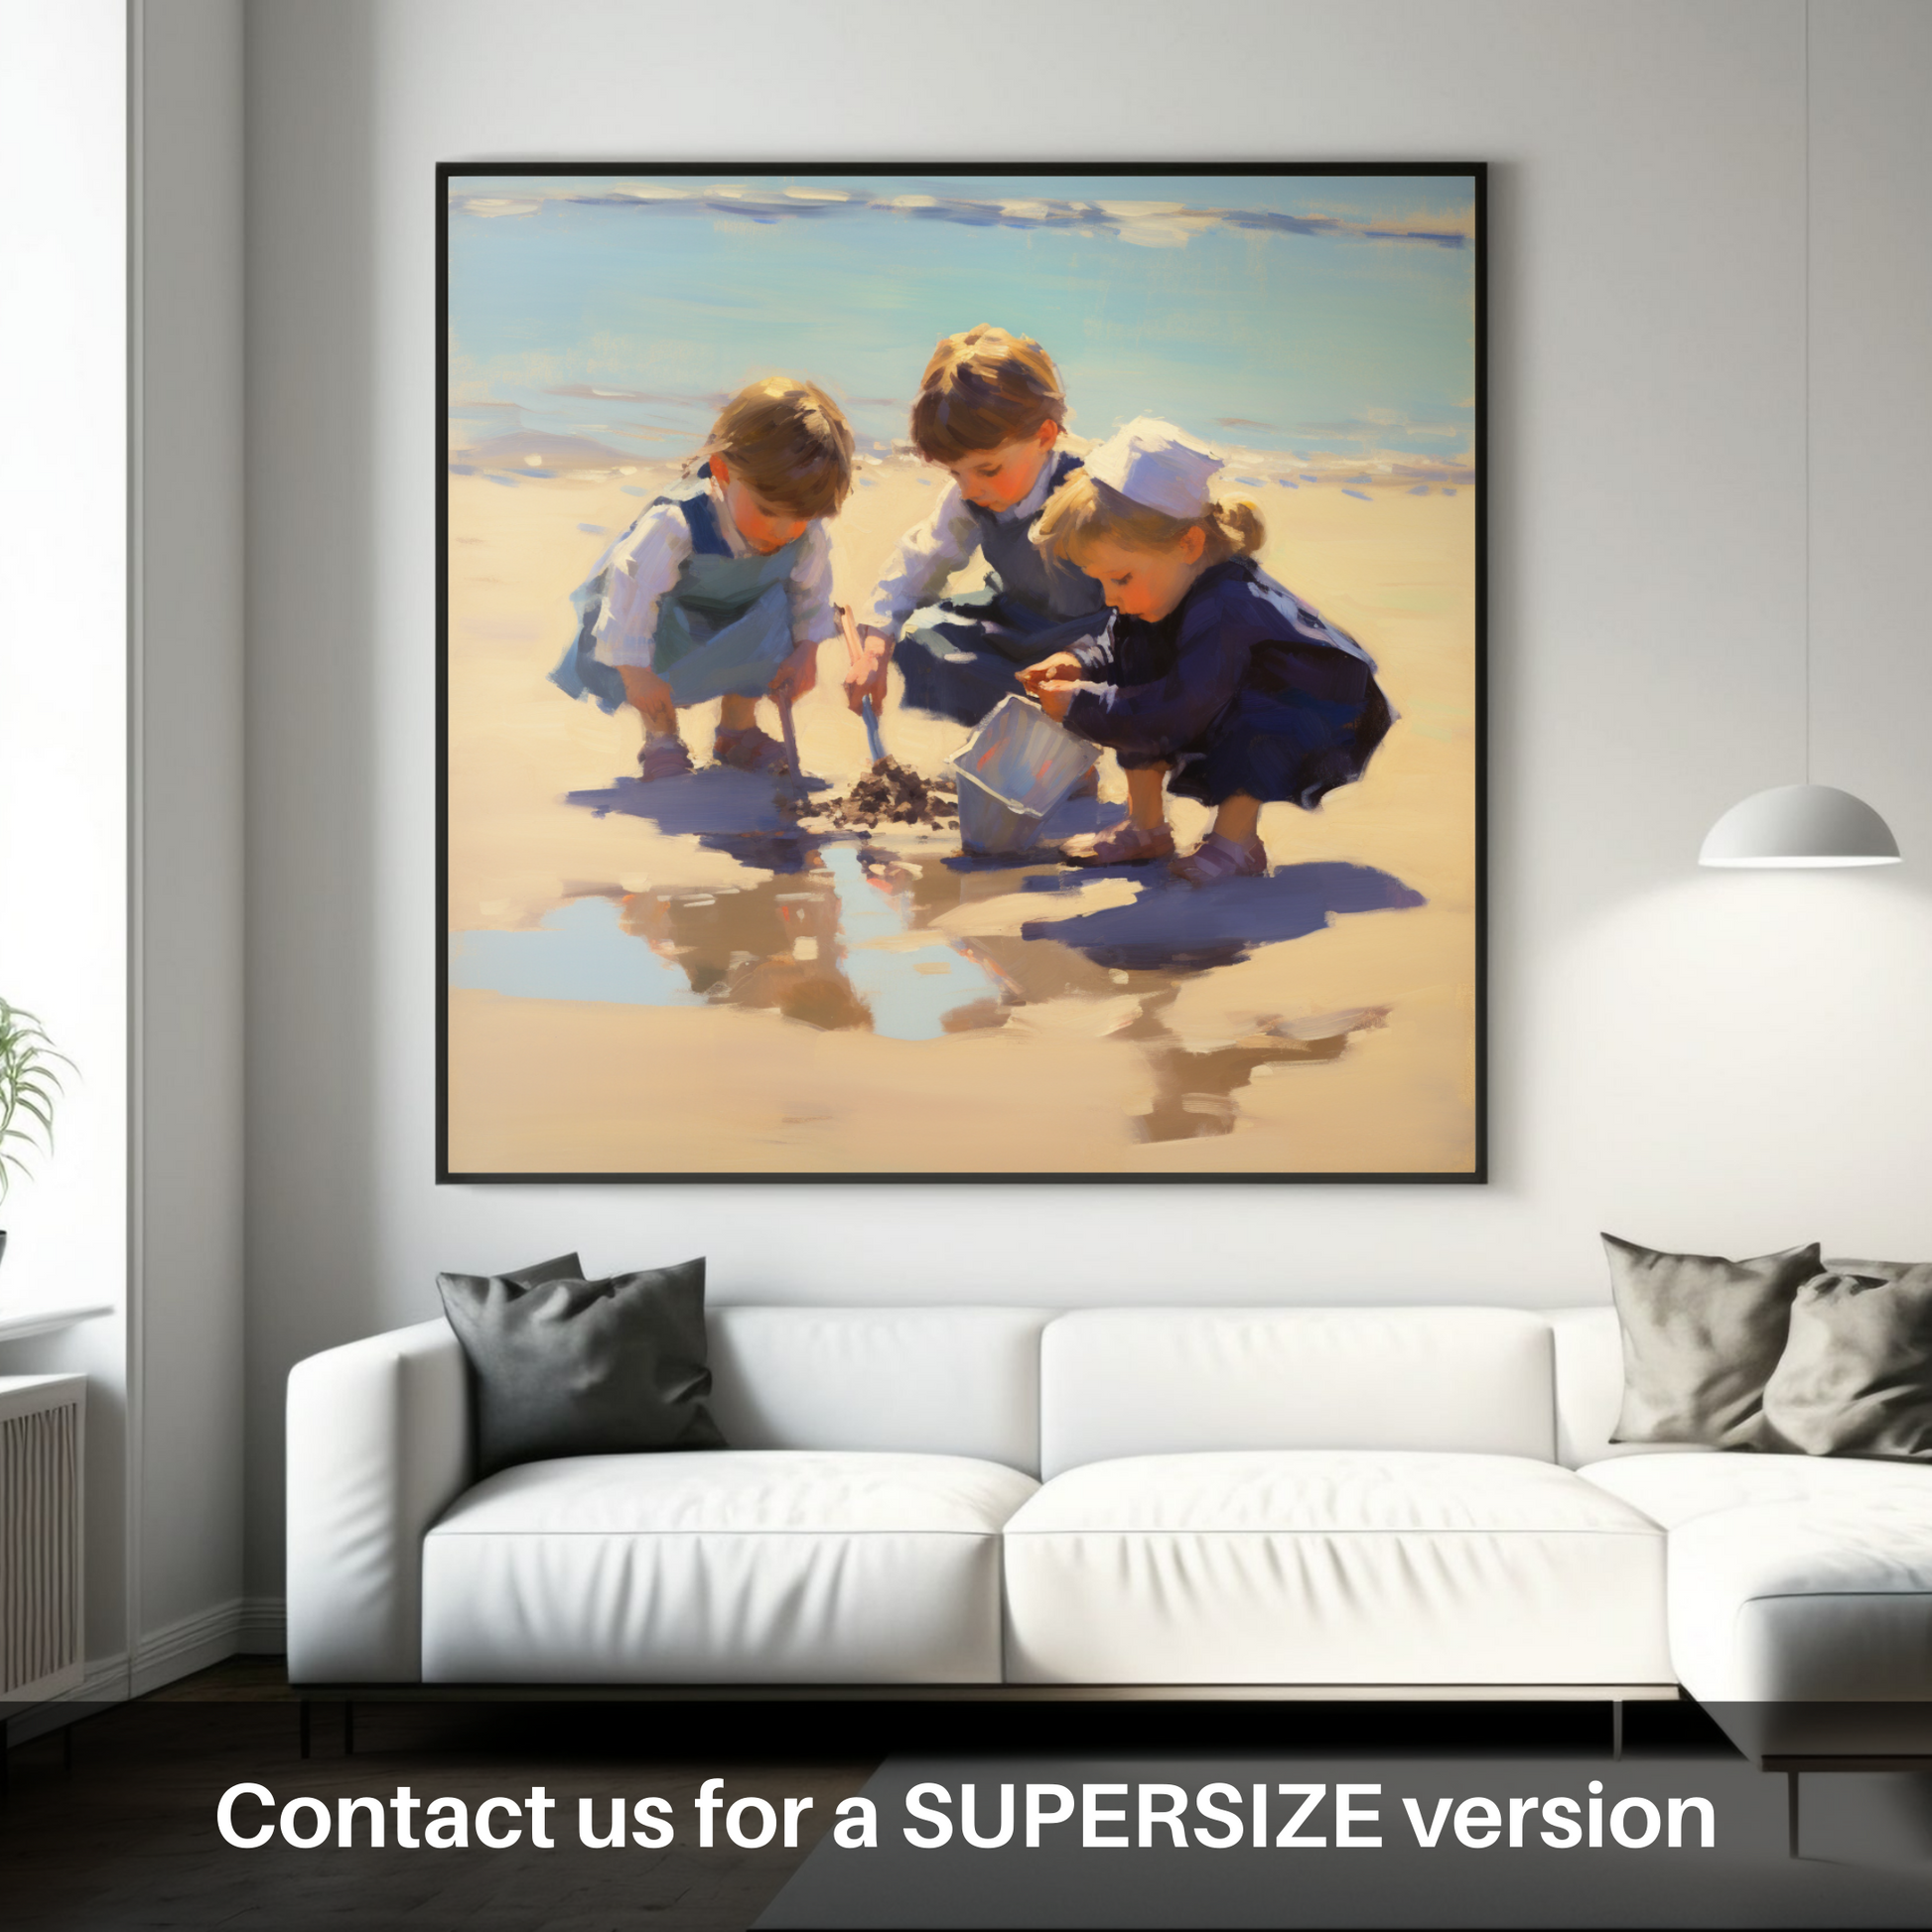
41, 1634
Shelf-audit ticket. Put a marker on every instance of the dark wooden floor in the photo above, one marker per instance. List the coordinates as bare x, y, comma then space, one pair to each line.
126, 1838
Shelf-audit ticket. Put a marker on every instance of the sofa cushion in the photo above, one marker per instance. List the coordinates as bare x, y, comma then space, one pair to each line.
1333, 1567
937, 1381
1673, 1486
1120, 1382
1827, 1600
728, 1567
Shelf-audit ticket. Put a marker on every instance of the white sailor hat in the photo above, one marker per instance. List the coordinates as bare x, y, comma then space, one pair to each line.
1153, 463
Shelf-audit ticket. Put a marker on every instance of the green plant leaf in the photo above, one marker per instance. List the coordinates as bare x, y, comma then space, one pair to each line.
30, 1086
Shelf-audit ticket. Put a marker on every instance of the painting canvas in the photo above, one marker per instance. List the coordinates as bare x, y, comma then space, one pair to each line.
961, 675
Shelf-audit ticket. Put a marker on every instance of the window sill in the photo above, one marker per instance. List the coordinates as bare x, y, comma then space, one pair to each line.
17, 1324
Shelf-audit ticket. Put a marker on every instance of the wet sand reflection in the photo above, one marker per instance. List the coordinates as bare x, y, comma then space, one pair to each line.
845, 934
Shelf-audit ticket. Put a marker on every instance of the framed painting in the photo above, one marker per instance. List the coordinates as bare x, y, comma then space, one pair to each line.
955, 674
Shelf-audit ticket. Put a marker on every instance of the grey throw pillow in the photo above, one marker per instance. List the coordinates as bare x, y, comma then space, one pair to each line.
1856, 1374
562, 1366
1701, 1337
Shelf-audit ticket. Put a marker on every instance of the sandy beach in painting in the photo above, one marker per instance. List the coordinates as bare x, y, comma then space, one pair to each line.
666, 980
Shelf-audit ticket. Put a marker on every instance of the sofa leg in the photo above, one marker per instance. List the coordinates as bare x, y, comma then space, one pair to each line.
1791, 1814
1616, 1728
305, 1726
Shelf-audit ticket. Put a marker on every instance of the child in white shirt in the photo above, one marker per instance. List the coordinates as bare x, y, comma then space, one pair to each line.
722, 586
989, 411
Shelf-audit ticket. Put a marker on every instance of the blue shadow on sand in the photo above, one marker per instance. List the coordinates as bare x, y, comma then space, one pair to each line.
1172, 925
737, 813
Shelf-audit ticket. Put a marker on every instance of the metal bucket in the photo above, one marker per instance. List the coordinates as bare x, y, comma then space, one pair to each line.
1014, 770
988, 824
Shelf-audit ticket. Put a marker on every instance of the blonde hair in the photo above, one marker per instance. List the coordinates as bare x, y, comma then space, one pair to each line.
983, 387
788, 442
1085, 510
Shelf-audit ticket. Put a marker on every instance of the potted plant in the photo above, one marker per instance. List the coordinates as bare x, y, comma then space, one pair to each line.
30, 1082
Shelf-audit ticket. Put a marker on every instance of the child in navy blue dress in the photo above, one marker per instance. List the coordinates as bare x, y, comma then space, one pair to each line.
722, 586
1213, 681
989, 412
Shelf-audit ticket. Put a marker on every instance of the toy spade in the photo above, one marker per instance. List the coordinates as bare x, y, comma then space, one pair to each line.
875, 743
795, 779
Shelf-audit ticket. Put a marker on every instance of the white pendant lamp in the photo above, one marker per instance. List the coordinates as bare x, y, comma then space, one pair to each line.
1807, 824
1800, 825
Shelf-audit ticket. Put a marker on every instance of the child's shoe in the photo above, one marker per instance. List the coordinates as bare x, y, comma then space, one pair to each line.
1120, 845
1216, 857
663, 757
750, 750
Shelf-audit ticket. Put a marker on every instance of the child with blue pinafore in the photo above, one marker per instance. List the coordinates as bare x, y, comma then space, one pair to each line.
1213, 681
722, 589
989, 412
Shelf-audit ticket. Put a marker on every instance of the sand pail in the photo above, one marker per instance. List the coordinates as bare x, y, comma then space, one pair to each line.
987, 824
1014, 770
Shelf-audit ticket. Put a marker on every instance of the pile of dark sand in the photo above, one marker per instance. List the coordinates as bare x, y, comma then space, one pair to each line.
891, 793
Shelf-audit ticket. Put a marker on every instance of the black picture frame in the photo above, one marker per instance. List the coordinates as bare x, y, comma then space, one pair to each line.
457, 183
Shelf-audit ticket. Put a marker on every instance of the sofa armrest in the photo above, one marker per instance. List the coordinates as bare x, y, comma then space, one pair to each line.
378, 1446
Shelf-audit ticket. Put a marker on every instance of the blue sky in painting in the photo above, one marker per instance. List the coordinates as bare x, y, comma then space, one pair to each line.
1289, 313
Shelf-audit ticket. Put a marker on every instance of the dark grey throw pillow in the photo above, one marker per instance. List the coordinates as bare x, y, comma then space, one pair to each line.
1701, 1337
1856, 1378
562, 1366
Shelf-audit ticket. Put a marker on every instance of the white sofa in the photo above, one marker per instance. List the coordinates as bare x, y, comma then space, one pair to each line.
1420, 1499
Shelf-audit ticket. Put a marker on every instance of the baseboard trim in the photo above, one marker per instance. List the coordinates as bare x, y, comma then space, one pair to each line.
264, 1628
106, 1682
181, 1648
251, 1624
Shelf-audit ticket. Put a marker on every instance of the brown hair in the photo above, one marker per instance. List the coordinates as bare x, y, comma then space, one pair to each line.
788, 442
983, 388
1084, 509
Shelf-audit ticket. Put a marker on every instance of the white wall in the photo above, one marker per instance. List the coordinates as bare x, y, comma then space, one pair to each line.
1725, 1062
